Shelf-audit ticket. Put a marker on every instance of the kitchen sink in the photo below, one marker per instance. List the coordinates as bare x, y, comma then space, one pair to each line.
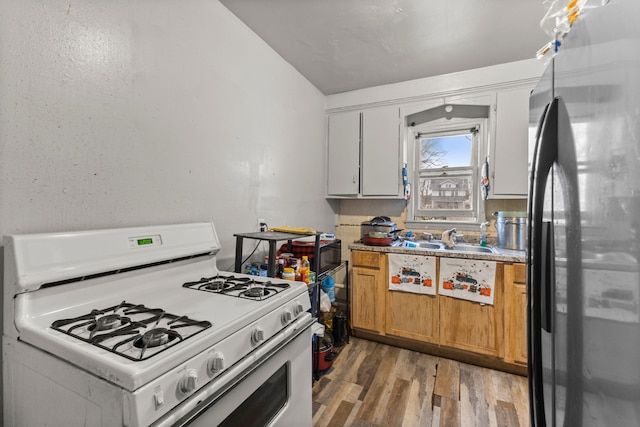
430, 245
436, 245
472, 248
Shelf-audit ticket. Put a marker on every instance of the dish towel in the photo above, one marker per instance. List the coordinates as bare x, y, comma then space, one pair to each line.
469, 279
412, 273
485, 186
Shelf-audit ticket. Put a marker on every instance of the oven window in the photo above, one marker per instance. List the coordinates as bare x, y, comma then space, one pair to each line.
263, 404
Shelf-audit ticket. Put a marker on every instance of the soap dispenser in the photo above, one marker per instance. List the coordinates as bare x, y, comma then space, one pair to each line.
483, 234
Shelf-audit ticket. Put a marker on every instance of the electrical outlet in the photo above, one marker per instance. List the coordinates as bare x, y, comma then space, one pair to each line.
262, 224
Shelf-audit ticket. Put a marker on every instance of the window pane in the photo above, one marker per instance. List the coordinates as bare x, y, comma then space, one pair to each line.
446, 151
448, 192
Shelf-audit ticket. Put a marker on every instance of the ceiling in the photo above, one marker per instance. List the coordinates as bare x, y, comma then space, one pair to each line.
343, 45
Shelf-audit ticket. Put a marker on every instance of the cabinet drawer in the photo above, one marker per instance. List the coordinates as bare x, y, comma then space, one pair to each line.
365, 259
520, 274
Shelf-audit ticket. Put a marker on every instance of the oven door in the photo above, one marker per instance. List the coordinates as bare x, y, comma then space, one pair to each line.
272, 388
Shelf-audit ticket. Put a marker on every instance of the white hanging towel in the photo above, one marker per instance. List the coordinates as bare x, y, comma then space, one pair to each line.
469, 279
485, 186
412, 273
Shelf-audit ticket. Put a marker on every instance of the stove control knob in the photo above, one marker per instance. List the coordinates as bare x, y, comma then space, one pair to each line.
189, 382
216, 364
297, 308
287, 316
257, 335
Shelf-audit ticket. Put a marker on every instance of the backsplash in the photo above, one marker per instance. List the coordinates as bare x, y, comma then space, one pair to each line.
353, 212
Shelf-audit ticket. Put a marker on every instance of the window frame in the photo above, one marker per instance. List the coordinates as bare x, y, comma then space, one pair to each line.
448, 127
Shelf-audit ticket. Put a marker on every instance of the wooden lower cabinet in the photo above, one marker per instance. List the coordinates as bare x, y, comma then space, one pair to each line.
367, 294
515, 313
471, 326
490, 335
413, 316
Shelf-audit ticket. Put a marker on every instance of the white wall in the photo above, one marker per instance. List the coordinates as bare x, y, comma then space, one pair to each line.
122, 113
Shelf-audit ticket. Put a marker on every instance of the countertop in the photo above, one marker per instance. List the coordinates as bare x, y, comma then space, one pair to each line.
501, 255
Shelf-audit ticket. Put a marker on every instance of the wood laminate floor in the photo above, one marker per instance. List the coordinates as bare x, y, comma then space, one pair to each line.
372, 384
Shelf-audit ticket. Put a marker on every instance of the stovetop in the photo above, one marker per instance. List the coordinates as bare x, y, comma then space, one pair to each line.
249, 287
138, 332
131, 330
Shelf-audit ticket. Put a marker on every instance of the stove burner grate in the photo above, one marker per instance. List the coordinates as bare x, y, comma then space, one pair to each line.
256, 292
216, 285
106, 323
114, 330
156, 337
240, 287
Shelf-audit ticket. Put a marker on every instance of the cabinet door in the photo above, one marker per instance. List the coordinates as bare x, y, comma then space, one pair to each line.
367, 300
472, 326
343, 156
515, 330
381, 152
412, 316
509, 153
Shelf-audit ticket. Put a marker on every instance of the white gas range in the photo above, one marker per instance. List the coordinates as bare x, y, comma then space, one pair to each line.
138, 327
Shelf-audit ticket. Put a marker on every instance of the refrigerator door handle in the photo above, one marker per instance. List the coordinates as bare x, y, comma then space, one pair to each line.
546, 276
540, 257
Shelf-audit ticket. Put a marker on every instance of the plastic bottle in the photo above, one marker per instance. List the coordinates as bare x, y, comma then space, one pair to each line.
288, 274
293, 263
280, 267
483, 234
305, 268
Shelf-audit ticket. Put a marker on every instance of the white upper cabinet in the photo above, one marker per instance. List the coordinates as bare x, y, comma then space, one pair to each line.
343, 157
508, 152
364, 154
364, 158
380, 152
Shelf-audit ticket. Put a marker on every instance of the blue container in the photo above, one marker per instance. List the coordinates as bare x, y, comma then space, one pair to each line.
264, 270
328, 286
251, 270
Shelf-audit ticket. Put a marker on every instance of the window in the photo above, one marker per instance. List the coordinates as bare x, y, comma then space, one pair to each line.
447, 172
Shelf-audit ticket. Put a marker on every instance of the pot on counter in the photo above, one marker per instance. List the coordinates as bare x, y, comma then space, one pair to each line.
377, 241
512, 230
379, 224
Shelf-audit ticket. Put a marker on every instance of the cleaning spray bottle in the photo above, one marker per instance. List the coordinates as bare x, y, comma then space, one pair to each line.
483, 234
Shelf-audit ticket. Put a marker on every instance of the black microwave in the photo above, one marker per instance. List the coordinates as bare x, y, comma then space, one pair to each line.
330, 256
330, 253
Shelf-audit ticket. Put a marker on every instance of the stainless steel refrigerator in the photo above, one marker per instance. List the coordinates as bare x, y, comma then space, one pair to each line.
584, 225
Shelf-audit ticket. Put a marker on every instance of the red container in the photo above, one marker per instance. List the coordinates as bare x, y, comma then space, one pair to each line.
323, 356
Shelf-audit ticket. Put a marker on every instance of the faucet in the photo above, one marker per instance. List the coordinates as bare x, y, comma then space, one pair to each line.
447, 238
